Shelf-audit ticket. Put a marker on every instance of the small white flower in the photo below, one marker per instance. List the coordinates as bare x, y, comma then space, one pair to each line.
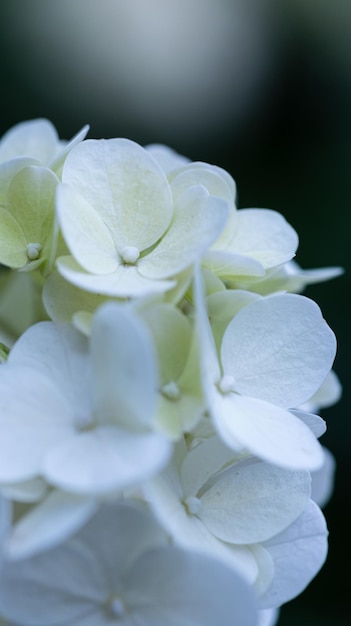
33, 143
120, 569
79, 413
127, 235
209, 500
277, 350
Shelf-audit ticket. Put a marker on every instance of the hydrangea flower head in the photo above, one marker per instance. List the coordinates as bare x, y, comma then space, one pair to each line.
160, 461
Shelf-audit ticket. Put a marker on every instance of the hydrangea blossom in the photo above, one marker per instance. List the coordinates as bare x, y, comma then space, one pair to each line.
159, 397
122, 569
128, 235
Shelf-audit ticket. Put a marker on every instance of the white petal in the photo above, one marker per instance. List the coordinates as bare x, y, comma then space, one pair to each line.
328, 394
34, 415
125, 185
124, 368
188, 531
210, 369
298, 554
126, 281
198, 219
206, 175
264, 235
104, 460
167, 158
323, 480
49, 523
252, 501
85, 233
202, 462
210, 592
268, 617
267, 431
60, 353
265, 568
65, 147
314, 422
223, 306
231, 265
34, 138
39, 591
96, 559
279, 349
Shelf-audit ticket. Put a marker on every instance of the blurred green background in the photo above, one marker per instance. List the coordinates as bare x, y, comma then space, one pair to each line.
260, 87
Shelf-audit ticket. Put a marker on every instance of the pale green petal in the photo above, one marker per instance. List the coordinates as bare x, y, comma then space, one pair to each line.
212, 283
27, 491
171, 332
12, 241
177, 293
16, 288
125, 185
125, 282
252, 501
279, 349
62, 300
82, 321
85, 233
9, 169
173, 418
125, 376
31, 201
167, 418
264, 235
197, 221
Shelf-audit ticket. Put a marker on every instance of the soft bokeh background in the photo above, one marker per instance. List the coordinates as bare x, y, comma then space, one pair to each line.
260, 87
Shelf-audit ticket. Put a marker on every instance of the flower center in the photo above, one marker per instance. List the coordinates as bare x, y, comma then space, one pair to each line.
84, 421
171, 391
117, 607
226, 384
192, 505
130, 255
33, 251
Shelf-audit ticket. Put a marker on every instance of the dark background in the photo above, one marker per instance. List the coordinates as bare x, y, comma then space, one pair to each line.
262, 88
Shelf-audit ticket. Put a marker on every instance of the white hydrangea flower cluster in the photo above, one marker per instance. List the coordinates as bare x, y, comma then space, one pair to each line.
160, 460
